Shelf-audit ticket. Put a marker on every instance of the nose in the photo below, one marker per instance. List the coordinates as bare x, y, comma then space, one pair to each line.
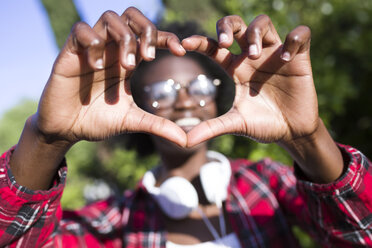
184, 100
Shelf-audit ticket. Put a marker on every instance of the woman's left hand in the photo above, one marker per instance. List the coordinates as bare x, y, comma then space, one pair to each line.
275, 98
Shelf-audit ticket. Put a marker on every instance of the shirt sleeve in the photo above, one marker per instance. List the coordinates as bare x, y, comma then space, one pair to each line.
28, 216
342, 210
35, 219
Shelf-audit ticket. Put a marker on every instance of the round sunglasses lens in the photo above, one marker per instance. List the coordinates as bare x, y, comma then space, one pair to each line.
162, 94
202, 86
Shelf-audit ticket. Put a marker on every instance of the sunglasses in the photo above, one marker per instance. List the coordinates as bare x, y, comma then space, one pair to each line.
163, 94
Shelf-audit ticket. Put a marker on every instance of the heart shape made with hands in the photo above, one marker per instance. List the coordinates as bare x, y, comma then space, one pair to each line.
274, 96
186, 107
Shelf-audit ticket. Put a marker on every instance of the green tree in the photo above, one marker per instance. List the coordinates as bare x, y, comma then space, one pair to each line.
62, 16
12, 122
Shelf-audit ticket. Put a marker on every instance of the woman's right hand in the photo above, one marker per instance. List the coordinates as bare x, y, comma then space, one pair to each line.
88, 97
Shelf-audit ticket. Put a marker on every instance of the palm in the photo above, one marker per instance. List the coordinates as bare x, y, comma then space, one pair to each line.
89, 104
274, 97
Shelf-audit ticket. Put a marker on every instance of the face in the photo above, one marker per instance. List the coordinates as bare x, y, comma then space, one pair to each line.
185, 106
186, 110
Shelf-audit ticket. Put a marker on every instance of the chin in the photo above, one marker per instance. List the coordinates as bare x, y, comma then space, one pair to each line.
163, 145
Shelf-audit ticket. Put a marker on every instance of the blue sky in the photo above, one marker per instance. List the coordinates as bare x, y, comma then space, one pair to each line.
28, 48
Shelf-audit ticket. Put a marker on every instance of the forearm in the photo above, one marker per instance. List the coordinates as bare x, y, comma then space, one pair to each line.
317, 155
35, 162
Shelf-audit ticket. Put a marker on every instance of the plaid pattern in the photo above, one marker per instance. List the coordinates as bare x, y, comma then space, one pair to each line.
265, 200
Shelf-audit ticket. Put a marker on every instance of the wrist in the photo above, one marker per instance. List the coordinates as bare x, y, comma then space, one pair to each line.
317, 155
35, 160
49, 138
297, 144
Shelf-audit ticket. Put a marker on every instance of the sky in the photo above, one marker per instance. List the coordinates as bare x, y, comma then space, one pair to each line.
28, 48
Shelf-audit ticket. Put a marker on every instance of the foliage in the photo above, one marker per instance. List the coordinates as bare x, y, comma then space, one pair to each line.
304, 239
12, 122
80, 157
119, 168
62, 16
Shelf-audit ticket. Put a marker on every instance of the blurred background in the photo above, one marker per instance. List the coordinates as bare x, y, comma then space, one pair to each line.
33, 31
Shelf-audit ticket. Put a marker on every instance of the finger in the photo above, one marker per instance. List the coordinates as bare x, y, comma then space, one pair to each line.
260, 33
229, 123
83, 38
297, 41
144, 29
111, 26
143, 121
208, 47
170, 41
230, 28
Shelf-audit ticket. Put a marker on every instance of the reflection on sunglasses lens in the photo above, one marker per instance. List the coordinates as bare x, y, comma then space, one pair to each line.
163, 94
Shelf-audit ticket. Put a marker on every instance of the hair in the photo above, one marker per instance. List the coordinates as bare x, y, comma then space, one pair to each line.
141, 142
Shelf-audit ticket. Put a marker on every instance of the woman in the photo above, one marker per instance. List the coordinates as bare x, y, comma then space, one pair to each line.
88, 96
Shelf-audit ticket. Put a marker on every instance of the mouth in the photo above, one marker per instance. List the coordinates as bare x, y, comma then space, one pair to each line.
187, 123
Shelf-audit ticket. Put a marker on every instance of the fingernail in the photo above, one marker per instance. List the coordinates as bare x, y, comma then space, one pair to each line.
99, 64
131, 59
253, 49
182, 49
151, 52
224, 37
286, 56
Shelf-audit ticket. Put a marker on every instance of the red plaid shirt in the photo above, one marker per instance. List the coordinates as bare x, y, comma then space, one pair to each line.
265, 200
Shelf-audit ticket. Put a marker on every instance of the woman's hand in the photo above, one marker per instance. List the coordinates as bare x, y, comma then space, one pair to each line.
88, 96
275, 99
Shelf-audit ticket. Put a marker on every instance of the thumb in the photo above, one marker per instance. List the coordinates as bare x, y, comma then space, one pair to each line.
229, 123
143, 121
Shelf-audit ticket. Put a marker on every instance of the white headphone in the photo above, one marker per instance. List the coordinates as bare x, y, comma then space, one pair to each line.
177, 197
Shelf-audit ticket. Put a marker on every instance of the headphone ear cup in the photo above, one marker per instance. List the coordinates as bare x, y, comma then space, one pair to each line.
177, 197
214, 180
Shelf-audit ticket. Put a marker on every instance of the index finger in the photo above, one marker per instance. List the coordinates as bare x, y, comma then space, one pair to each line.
208, 47
170, 41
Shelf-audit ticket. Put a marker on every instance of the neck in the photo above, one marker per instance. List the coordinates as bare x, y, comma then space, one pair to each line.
183, 163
